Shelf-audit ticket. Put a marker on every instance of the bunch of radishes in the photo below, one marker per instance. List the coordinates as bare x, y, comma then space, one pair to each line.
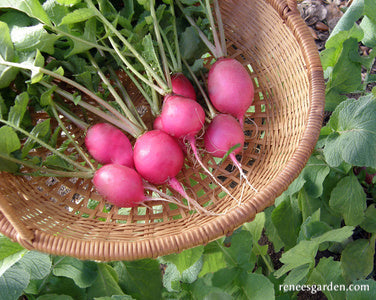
158, 155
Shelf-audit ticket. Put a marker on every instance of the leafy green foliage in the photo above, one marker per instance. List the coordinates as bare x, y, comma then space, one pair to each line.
320, 232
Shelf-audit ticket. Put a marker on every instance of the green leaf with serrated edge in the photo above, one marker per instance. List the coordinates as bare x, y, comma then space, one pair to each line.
55, 11
191, 45
257, 286
369, 221
37, 264
349, 199
327, 273
226, 278
302, 254
106, 283
13, 282
357, 259
18, 110
41, 131
354, 133
77, 16
362, 290
185, 259
134, 276
287, 220
32, 8
83, 273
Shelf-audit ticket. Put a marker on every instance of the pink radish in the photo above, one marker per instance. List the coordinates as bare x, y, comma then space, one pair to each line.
124, 187
182, 117
158, 158
108, 144
182, 86
230, 87
224, 133
119, 185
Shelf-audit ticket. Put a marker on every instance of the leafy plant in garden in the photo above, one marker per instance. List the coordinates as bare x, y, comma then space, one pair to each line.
321, 231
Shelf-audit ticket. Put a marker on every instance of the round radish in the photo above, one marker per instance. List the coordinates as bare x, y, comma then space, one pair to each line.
108, 144
230, 87
182, 86
182, 117
157, 156
223, 133
119, 185
158, 123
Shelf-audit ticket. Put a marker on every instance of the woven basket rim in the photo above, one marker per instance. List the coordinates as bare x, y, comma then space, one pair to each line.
111, 250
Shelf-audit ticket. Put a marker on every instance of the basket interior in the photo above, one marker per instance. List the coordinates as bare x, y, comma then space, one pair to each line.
257, 37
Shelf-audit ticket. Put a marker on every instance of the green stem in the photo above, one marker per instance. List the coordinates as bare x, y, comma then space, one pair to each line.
116, 96
78, 148
202, 35
126, 97
139, 57
220, 27
217, 43
212, 111
134, 71
91, 108
75, 120
45, 145
160, 44
175, 66
176, 38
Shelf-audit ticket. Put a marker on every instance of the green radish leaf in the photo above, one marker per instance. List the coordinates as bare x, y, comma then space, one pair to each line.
77, 16
191, 45
83, 273
185, 259
329, 272
9, 143
212, 262
369, 222
55, 11
68, 2
13, 282
134, 276
256, 226
46, 97
257, 286
367, 290
297, 275
41, 131
349, 199
8, 261
370, 9
357, 259
32, 8
8, 247
202, 290
7, 74
353, 137
36, 75
59, 286
369, 29
18, 110
227, 278
239, 253
314, 175
106, 283
287, 220
271, 230
37, 264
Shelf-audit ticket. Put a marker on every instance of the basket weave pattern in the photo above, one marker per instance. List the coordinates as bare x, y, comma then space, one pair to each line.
67, 217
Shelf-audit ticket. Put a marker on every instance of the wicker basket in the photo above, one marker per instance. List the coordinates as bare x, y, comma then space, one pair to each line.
67, 217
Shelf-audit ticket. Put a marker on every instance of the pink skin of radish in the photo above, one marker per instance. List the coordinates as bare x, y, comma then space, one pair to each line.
108, 144
158, 159
230, 88
119, 185
157, 156
223, 133
182, 117
182, 86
